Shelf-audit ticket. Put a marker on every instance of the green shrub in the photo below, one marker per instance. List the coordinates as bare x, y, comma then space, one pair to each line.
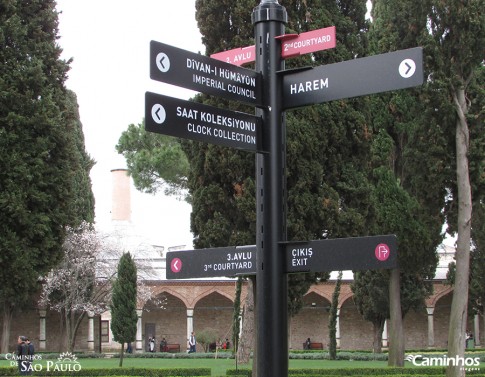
343, 355
145, 372
239, 372
178, 355
357, 372
54, 356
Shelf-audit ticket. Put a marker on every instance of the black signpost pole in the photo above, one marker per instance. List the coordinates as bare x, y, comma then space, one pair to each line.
269, 18
273, 91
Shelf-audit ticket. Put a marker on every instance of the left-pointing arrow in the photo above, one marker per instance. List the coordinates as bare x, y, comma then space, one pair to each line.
163, 62
176, 265
158, 113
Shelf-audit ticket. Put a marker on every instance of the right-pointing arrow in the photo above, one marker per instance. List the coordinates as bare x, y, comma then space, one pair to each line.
407, 68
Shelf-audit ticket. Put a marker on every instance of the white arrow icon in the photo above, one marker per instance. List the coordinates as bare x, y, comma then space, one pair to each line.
383, 250
407, 68
176, 265
163, 62
158, 113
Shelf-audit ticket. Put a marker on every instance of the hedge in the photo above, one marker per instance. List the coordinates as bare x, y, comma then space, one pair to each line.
178, 355
358, 375
357, 372
148, 372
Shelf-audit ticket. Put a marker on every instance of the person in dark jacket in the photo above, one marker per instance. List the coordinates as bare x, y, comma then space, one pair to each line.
22, 355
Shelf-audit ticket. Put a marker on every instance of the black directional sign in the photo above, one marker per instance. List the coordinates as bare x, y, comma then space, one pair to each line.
204, 263
357, 253
352, 78
183, 68
196, 121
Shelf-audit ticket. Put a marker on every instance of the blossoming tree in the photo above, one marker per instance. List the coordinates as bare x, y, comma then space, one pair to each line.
82, 282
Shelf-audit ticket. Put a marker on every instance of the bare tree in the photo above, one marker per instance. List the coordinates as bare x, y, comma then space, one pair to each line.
71, 288
82, 282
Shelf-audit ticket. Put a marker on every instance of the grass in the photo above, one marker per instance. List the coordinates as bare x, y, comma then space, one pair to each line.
219, 366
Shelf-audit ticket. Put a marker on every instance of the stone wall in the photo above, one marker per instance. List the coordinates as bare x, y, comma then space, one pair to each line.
212, 305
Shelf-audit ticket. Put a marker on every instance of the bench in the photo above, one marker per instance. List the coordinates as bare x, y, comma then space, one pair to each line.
314, 346
172, 348
213, 347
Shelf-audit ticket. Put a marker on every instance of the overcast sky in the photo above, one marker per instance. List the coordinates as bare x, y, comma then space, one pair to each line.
109, 43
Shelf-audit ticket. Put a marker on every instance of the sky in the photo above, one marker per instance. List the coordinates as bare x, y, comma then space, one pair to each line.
108, 41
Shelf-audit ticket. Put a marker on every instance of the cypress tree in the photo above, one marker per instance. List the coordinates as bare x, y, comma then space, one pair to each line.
428, 125
40, 145
123, 303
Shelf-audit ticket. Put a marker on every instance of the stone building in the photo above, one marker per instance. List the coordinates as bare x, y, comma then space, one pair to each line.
203, 304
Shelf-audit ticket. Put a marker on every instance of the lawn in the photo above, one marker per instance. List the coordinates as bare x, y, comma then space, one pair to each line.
218, 366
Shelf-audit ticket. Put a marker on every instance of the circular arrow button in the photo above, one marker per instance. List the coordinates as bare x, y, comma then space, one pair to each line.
176, 265
407, 68
158, 113
382, 252
163, 62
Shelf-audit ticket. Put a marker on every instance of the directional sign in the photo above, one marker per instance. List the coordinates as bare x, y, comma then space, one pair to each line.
352, 78
183, 68
292, 45
304, 43
196, 121
217, 262
237, 56
357, 253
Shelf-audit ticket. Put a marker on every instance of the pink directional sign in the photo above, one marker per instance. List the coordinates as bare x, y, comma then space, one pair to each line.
292, 45
238, 56
311, 41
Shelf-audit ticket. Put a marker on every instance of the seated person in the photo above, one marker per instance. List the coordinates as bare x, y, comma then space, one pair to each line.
308, 344
163, 345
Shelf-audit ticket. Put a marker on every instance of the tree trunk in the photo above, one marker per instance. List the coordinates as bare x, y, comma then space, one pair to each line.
7, 320
396, 333
247, 332
332, 320
62, 330
121, 354
75, 327
68, 319
378, 329
458, 315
